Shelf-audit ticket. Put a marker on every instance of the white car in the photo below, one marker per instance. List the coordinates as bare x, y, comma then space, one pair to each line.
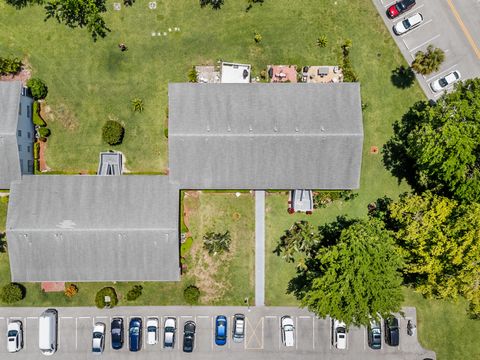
169, 332
152, 331
98, 338
15, 336
442, 83
288, 331
339, 334
408, 24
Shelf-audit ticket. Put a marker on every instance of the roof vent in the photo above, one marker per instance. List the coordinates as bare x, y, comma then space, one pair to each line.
296, 129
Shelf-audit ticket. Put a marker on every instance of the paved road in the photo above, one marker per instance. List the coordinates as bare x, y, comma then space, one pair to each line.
262, 335
259, 248
452, 25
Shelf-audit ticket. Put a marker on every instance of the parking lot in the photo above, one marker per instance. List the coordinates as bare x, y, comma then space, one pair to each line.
262, 335
447, 24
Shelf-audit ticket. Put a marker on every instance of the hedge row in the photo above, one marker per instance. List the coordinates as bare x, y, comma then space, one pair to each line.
37, 119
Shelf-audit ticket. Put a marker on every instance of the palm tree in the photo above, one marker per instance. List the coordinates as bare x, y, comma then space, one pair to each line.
216, 243
322, 41
137, 105
428, 61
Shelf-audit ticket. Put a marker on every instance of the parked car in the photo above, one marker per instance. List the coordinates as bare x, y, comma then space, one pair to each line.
135, 334
238, 327
408, 24
117, 333
392, 332
47, 332
221, 330
189, 336
288, 331
339, 334
152, 331
169, 332
442, 83
98, 338
400, 7
14, 336
374, 335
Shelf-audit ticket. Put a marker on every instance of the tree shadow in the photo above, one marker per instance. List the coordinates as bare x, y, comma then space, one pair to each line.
402, 77
395, 154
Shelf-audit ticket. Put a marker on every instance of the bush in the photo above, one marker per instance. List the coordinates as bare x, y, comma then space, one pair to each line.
36, 150
192, 76
191, 294
38, 88
322, 41
323, 198
100, 297
257, 37
10, 66
137, 105
112, 132
43, 132
11, 293
71, 290
37, 119
134, 293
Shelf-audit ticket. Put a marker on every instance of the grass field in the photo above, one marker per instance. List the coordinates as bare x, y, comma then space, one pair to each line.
227, 281
92, 82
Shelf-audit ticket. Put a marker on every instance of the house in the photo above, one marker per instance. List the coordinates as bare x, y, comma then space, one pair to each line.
93, 228
265, 136
17, 133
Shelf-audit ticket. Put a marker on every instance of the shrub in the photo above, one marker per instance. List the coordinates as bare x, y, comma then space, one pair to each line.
100, 297
137, 105
165, 133
323, 198
112, 132
11, 293
37, 119
134, 293
257, 37
36, 150
192, 76
10, 66
216, 4
43, 132
71, 290
38, 88
322, 41
191, 294
217, 242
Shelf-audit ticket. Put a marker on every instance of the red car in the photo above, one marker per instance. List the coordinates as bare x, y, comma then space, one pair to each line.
400, 7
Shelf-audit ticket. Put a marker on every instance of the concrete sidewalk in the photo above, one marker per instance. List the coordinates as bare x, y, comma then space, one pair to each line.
259, 248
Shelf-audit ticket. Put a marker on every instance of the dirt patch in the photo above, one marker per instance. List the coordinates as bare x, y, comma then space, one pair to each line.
63, 115
41, 157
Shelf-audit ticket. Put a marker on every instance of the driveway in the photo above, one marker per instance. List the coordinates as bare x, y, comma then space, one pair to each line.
452, 25
262, 335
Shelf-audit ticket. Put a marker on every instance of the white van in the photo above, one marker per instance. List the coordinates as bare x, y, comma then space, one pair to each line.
47, 332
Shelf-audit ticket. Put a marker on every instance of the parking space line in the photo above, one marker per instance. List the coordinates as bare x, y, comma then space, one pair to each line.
203, 316
66, 317
32, 317
76, 333
296, 328
211, 332
270, 317
415, 8
304, 317
418, 27
84, 317
313, 332
330, 332
424, 43
364, 338
441, 73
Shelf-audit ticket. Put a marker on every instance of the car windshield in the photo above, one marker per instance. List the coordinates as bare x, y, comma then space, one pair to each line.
152, 329
288, 327
406, 23
400, 6
116, 331
377, 336
169, 329
443, 82
97, 335
12, 333
134, 330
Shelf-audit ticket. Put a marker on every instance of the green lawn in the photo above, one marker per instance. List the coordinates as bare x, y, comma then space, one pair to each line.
444, 327
230, 276
92, 82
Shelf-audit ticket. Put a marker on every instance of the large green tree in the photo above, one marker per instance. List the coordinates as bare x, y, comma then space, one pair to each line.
351, 272
440, 241
436, 146
73, 13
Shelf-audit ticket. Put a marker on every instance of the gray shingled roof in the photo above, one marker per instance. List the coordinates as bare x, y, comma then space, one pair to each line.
265, 136
93, 228
9, 160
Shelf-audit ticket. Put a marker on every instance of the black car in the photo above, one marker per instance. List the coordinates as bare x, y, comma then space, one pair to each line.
135, 334
392, 332
117, 333
188, 336
374, 335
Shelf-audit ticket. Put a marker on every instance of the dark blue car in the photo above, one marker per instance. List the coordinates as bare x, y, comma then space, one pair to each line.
135, 334
117, 333
221, 330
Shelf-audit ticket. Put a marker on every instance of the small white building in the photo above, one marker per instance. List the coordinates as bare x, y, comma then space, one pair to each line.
17, 133
235, 73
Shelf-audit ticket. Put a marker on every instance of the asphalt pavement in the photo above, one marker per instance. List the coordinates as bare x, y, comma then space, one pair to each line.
262, 335
452, 25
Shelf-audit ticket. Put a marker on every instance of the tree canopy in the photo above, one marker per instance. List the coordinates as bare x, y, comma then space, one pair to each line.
440, 241
73, 13
351, 271
437, 146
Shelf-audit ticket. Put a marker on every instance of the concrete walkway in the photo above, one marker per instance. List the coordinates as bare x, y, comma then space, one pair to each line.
259, 248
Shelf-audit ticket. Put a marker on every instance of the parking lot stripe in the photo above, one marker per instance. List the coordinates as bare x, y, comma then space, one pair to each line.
211, 332
270, 317
296, 328
203, 316
313, 332
66, 317
32, 317
304, 317
76, 333
424, 43
364, 338
464, 28
84, 317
